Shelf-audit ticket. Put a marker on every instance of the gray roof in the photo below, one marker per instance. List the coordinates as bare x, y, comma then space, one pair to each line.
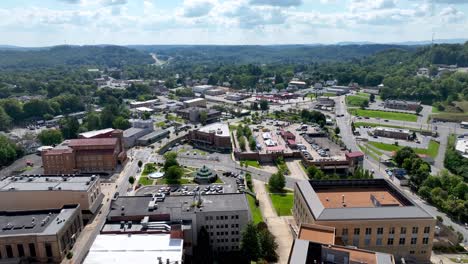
299, 251
178, 204
132, 131
154, 134
409, 210
44, 183
13, 223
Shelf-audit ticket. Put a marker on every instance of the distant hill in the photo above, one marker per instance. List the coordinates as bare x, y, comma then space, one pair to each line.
108, 56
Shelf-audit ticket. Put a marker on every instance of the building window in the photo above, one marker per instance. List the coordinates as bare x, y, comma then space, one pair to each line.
48, 248
368, 231
425, 240
344, 232
427, 229
380, 231
390, 241
356, 241
414, 240
20, 250
423, 251
357, 231
391, 230
367, 241
32, 250
378, 242
402, 241
415, 229
403, 230
411, 252
9, 251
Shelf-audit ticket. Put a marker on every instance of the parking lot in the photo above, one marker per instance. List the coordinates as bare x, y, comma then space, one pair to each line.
233, 183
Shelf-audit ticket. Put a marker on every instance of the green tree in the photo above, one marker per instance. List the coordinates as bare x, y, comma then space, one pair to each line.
264, 105
8, 151
268, 245
121, 123
131, 180
13, 108
372, 98
69, 127
402, 154
242, 143
252, 143
5, 120
140, 163
203, 117
277, 182
170, 160
50, 137
173, 174
250, 246
337, 130
92, 121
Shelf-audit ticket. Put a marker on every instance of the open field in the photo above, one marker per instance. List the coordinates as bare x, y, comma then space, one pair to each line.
384, 115
431, 151
251, 163
353, 100
255, 210
283, 203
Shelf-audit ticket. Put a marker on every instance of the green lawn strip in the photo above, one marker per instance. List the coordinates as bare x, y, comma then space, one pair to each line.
368, 152
254, 210
435, 110
161, 124
384, 115
431, 151
145, 181
282, 203
252, 163
218, 180
463, 260
375, 150
361, 94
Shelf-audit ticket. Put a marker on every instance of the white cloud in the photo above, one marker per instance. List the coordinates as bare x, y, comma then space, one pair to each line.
451, 15
70, 1
283, 3
363, 5
197, 8
113, 2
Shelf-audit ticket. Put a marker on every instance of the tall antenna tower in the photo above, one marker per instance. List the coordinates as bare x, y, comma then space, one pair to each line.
432, 19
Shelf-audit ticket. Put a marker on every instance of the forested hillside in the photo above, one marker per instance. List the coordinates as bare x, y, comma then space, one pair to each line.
108, 56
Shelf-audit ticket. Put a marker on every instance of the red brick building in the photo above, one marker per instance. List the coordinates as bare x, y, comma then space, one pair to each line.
214, 137
101, 154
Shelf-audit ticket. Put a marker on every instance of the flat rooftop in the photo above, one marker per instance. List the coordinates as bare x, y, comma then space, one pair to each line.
108, 142
135, 248
132, 131
317, 233
178, 204
39, 222
46, 183
391, 129
219, 128
91, 134
363, 200
154, 134
357, 197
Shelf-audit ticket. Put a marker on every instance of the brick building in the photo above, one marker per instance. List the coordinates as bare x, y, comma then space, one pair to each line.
95, 154
212, 137
402, 105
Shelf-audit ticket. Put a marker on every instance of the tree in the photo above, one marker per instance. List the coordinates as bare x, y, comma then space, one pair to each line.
402, 154
92, 121
255, 106
121, 123
252, 143
353, 127
173, 174
277, 182
50, 137
337, 130
69, 127
264, 105
8, 151
311, 171
242, 143
372, 98
140, 163
250, 246
5, 120
131, 180
268, 245
364, 104
203, 117
170, 160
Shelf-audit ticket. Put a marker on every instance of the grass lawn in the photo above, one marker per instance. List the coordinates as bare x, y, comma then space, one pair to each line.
218, 180
384, 115
252, 163
283, 203
431, 151
161, 124
149, 168
329, 94
255, 210
145, 181
369, 152
353, 100
435, 110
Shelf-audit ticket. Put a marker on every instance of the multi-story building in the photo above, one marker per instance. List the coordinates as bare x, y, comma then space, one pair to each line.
139, 129
224, 216
85, 155
43, 236
201, 88
38, 192
402, 105
369, 214
196, 102
193, 114
213, 137
317, 244
390, 132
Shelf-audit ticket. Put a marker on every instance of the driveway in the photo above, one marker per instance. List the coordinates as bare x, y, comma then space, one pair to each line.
278, 226
296, 170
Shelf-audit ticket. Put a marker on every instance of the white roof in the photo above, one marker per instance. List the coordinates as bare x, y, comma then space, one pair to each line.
94, 133
144, 109
270, 143
266, 135
462, 147
141, 249
194, 100
220, 129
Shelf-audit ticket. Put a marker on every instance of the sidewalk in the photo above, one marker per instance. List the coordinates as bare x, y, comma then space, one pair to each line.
278, 226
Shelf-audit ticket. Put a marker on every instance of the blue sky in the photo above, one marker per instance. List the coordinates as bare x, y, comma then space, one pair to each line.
52, 22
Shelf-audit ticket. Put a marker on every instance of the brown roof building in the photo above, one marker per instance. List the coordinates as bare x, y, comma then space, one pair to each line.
101, 154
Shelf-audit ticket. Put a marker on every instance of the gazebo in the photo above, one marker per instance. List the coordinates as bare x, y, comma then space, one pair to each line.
204, 175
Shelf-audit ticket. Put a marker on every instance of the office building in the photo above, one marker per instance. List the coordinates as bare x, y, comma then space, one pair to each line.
402, 105
369, 214
139, 129
153, 137
193, 114
214, 137
42, 191
390, 132
39, 236
91, 155
317, 244
197, 102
